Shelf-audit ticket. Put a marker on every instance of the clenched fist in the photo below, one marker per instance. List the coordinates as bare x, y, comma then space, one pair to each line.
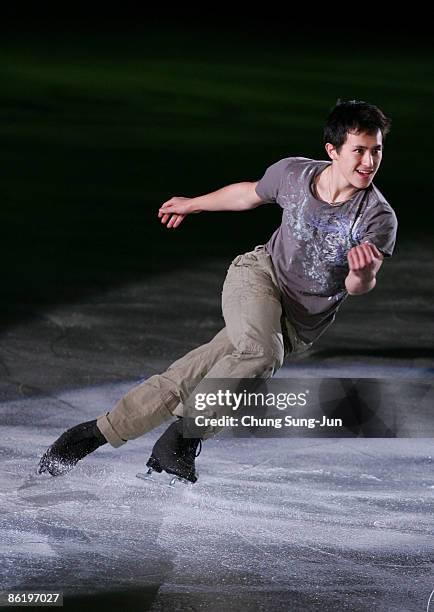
364, 260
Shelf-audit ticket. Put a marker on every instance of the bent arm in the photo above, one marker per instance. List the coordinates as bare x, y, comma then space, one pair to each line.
238, 196
364, 261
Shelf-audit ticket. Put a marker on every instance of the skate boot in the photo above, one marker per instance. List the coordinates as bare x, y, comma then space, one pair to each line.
175, 454
70, 447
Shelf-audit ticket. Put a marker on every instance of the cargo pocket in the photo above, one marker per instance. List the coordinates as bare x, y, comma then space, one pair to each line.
245, 259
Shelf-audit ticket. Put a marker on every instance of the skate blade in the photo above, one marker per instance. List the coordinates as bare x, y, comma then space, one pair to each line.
167, 480
148, 476
175, 479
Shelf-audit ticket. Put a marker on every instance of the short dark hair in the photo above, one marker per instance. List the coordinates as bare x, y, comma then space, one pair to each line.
354, 116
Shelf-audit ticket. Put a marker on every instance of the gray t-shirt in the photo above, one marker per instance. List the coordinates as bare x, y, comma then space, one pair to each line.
309, 249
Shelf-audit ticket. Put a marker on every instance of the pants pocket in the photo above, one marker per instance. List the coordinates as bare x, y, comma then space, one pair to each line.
245, 259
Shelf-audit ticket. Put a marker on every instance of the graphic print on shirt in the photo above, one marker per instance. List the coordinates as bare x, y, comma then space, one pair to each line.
322, 239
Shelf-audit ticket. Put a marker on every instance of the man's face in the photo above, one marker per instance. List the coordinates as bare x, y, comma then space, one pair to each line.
359, 158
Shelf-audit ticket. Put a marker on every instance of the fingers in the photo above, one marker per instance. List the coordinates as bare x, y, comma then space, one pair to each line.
366, 251
167, 215
164, 210
175, 220
171, 220
360, 257
357, 258
353, 260
374, 250
179, 220
169, 210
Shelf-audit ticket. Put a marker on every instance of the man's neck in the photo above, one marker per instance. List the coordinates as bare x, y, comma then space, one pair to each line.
332, 188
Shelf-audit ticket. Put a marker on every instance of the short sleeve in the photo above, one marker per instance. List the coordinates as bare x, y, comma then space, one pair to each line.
270, 184
381, 230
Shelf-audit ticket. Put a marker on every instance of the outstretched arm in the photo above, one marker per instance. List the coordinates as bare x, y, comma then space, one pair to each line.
238, 196
364, 261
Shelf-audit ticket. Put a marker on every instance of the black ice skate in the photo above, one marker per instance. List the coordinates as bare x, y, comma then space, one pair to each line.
175, 455
73, 445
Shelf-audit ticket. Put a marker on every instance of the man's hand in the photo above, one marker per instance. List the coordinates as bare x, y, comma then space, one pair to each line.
364, 261
174, 210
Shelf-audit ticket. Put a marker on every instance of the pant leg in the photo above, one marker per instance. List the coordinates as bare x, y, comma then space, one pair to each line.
252, 311
152, 402
252, 344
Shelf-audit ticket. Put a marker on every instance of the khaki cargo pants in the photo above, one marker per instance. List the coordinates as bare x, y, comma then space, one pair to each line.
253, 344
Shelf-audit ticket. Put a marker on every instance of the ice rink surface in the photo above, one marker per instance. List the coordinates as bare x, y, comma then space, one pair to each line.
294, 524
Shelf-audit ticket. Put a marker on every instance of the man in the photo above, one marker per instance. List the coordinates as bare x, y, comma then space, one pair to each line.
277, 299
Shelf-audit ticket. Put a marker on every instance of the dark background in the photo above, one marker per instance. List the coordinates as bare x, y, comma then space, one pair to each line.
104, 118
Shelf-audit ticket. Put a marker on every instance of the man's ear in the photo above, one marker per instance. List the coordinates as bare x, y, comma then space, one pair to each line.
331, 151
